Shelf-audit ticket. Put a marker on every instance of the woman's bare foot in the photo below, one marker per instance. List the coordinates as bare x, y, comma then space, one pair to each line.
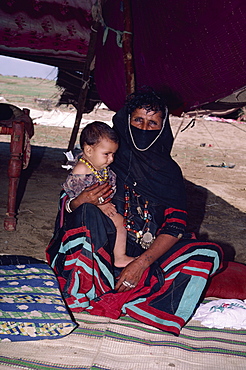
123, 260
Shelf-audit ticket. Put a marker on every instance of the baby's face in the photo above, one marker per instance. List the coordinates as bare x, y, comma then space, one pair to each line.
102, 154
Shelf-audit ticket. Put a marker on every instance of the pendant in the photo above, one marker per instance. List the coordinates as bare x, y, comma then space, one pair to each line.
146, 240
140, 212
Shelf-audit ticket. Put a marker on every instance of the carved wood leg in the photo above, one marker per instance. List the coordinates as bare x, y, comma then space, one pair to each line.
14, 171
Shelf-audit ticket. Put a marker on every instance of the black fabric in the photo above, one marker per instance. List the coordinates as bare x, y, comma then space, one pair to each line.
152, 173
143, 138
6, 260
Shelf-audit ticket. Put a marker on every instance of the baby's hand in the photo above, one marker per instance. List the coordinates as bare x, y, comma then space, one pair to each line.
108, 209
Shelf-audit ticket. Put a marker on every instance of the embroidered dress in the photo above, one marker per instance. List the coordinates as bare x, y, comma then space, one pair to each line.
81, 250
76, 183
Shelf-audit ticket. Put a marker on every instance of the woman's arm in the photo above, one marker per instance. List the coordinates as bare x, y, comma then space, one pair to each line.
171, 230
160, 246
132, 273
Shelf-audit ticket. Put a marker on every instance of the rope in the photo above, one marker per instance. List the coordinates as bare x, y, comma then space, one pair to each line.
119, 35
93, 29
221, 150
86, 83
97, 16
181, 124
191, 124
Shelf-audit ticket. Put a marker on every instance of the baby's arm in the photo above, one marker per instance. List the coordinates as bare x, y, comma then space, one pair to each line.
76, 181
81, 169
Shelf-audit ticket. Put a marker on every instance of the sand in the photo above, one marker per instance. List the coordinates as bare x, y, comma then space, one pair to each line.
216, 192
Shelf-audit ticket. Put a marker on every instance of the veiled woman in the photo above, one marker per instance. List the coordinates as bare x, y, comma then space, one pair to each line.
165, 282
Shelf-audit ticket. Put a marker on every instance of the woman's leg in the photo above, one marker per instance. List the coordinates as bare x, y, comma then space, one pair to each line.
176, 286
165, 297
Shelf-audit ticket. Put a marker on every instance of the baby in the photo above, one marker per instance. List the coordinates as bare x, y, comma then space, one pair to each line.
99, 143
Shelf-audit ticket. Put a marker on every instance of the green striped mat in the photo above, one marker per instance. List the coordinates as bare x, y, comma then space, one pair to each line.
103, 343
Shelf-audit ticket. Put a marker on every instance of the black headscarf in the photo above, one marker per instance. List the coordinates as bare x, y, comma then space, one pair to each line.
151, 173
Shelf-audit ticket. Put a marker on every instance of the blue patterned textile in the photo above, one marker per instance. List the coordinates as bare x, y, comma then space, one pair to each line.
31, 305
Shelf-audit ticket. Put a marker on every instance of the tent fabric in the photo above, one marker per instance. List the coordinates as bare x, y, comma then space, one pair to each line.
49, 31
192, 51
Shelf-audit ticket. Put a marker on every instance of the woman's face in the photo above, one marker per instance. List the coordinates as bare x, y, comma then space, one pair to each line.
145, 120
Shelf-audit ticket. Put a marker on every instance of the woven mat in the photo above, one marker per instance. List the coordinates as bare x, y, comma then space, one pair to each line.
103, 343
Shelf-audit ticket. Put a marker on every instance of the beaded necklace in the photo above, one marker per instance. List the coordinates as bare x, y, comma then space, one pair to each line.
100, 177
143, 236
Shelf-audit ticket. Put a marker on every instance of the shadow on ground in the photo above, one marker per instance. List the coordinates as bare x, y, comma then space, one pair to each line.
210, 217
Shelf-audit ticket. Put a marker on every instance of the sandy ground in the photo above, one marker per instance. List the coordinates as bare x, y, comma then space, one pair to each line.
216, 195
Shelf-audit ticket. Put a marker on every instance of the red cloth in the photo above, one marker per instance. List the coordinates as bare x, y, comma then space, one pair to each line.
230, 283
54, 29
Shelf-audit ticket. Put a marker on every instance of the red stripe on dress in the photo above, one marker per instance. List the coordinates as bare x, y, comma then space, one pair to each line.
166, 316
77, 257
79, 230
185, 248
168, 211
177, 220
105, 255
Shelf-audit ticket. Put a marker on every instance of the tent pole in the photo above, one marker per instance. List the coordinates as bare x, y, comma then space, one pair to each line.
85, 83
127, 48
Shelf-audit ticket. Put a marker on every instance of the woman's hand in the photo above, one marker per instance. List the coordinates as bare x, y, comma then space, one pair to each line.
132, 273
95, 194
130, 276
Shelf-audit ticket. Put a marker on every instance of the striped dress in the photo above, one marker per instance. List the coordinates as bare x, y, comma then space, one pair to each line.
81, 254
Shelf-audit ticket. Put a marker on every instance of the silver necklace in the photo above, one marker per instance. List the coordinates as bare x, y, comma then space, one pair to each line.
157, 137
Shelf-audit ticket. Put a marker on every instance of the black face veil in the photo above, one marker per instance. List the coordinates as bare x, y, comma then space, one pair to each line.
143, 138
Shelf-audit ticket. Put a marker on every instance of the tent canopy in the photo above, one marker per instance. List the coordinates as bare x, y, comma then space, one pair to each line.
193, 52
52, 32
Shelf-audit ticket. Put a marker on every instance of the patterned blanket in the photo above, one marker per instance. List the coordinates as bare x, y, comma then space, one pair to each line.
103, 343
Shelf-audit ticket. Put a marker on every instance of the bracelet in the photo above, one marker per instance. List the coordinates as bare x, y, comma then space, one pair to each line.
67, 205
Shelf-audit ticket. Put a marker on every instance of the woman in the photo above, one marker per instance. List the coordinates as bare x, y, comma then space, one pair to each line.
165, 282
